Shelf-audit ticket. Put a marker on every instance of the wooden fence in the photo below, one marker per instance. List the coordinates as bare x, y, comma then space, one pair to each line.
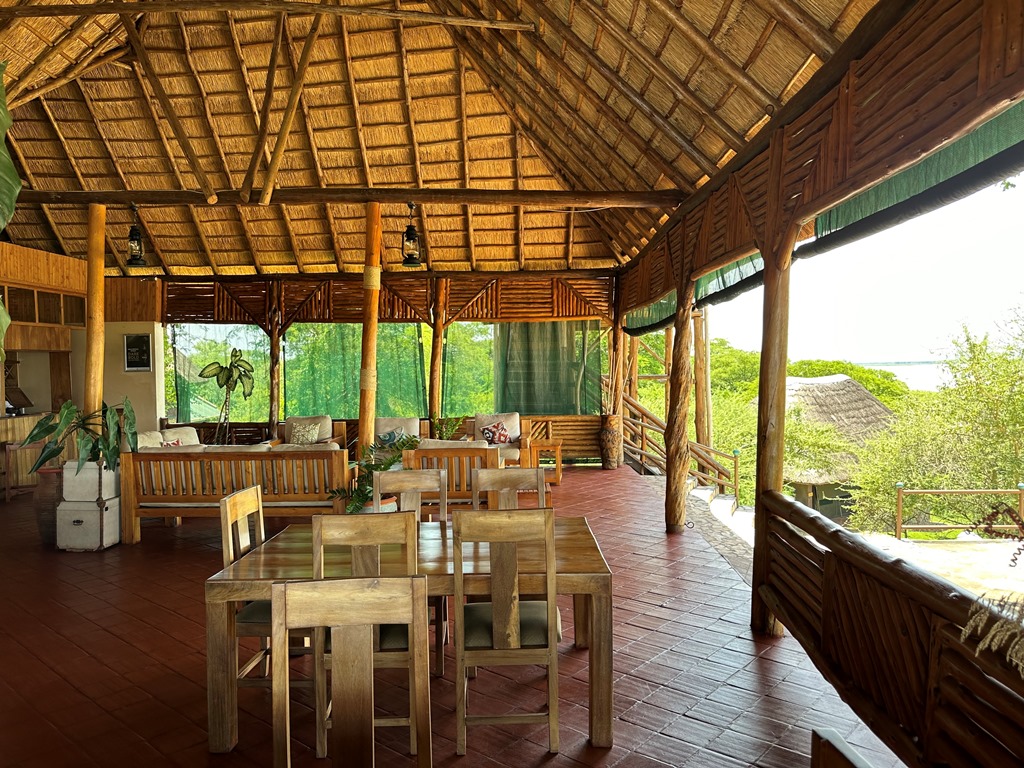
887, 635
902, 492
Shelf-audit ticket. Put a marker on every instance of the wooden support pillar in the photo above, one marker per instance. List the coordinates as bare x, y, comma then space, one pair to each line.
670, 338
275, 331
60, 379
701, 379
771, 415
634, 367
441, 286
371, 297
677, 445
93, 396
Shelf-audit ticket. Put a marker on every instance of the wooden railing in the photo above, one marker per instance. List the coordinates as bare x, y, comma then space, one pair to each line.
901, 492
643, 440
887, 636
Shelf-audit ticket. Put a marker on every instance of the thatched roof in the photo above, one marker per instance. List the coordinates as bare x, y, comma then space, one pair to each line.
845, 404
595, 95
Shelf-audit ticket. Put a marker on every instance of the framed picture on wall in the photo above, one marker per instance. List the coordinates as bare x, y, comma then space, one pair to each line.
138, 352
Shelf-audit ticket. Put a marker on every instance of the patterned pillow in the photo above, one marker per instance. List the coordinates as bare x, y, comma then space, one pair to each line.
305, 434
390, 438
496, 434
170, 443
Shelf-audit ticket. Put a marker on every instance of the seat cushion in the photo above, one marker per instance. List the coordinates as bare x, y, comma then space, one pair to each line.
393, 637
429, 442
533, 624
183, 436
409, 426
172, 448
510, 420
257, 448
305, 447
323, 423
256, 612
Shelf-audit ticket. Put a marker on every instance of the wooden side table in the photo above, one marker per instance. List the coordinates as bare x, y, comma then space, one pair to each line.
551, 446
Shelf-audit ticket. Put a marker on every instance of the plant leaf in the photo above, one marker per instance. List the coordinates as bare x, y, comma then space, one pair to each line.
247, 384
10, 181
130, 429
223, 377
51, 450
211, 370
245, 365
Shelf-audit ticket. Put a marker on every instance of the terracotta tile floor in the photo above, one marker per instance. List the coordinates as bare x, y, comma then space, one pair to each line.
102, 656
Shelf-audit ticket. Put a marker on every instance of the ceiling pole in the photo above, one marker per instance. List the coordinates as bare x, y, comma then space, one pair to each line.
275, 329
94, 268
441, 287
268, 98
371, 306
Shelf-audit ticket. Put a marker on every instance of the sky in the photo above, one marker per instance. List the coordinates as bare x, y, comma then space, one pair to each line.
903, 294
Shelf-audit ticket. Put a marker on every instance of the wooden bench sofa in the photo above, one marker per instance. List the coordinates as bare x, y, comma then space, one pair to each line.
184, 483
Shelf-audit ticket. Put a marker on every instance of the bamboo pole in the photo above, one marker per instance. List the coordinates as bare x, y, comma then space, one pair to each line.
436, 349
701, 379
268, 100
274, 331
677, 447
94, 350
371, 296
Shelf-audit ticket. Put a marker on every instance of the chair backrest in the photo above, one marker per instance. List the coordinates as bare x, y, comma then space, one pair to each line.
351, 608
364, 535
507, 483
238, 511
504, 530
458, 462
410, 485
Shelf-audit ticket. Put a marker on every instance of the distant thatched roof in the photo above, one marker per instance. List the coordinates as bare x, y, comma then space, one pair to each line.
842, 402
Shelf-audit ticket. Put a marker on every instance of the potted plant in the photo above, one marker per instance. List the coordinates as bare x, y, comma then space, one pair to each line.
228, 377
375, 458
97, 436
445, 427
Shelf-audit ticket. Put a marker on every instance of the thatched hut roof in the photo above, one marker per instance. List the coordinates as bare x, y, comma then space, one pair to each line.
633, 97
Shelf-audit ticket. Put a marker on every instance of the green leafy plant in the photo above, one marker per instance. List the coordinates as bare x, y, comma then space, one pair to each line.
97, 435
237, 371
445, 427
375, 458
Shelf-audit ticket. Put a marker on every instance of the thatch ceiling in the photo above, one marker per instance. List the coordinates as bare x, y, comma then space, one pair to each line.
619, 95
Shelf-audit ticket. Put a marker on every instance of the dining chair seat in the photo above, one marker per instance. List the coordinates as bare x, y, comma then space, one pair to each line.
393, 637
533, 624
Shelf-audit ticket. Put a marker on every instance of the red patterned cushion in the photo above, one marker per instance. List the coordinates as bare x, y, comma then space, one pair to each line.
496, 434
170, 443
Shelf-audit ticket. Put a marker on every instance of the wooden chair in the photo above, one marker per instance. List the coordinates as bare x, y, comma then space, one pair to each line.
363, 535
410, 485
458, 462
506, 631
505, 484
352, 608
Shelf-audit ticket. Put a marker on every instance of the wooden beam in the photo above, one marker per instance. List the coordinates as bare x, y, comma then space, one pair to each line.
289, 111
464, 136
169, 112
93, 390
56, 48
677, 445
279, 6
414, 140
268, 99
821, 42
371, 307
30, 178
538, 198
348, 76
438, 325
569, 225
85, 65
701, 379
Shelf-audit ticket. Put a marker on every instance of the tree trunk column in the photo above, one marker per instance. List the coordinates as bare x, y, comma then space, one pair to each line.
701, 380
677, 446
371, 296
771, 418
436, 349
94, 345
274, 332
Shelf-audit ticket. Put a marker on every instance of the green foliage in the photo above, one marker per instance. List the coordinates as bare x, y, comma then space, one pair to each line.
97, 435
238, 371
734, 370
445, 427
10, 180
970, 434
882, 384
469, 365
375, 458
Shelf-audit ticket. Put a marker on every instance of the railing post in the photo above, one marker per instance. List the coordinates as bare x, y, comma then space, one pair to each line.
899, 510
1020, 501
736, 474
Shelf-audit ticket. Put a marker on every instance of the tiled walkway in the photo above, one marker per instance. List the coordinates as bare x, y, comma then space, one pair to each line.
102, 657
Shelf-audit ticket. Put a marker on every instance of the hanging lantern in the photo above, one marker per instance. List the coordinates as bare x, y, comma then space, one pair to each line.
411, 243
136, 249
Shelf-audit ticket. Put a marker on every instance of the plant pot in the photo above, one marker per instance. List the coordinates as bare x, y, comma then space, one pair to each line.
91, 483
387, 504
45, 498
610, 440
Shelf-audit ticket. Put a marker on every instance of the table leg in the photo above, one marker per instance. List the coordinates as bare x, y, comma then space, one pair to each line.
601, 670
581, 620
221, 669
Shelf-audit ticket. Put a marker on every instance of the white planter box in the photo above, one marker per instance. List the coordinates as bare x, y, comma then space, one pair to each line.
85, 485
82, 526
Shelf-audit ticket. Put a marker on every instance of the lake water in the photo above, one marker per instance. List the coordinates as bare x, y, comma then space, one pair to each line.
916, 375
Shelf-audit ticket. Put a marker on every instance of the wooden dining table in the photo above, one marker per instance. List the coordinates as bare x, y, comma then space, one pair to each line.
581, 572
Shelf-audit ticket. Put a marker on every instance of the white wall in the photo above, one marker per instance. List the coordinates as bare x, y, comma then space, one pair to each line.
34, 379
145, 389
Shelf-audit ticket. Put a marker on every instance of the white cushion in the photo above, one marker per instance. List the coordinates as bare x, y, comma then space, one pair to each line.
510, 420
310, 447
512, 454
410, 426
323, 421
429, 442
150, 439
257, 448
186, 435
172, 449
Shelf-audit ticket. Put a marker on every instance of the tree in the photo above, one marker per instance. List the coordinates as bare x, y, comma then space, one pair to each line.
228, 377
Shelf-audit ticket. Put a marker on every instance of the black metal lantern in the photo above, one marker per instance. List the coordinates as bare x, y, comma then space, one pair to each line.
411, 243
136, 249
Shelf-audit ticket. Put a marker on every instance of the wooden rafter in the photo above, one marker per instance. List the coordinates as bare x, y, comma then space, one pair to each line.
91, 108
30, 177
298, 80
169, 113
805, 27
328, 213
517, 177
281, 6
569, 225
212, 125
62, 140
407, 91
466, 176
196, 221
56, 48
349, 77
93, 60
268, 100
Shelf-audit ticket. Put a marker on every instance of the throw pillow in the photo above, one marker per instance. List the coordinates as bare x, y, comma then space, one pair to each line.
390, 438
495, 434
170, 443
305, 434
